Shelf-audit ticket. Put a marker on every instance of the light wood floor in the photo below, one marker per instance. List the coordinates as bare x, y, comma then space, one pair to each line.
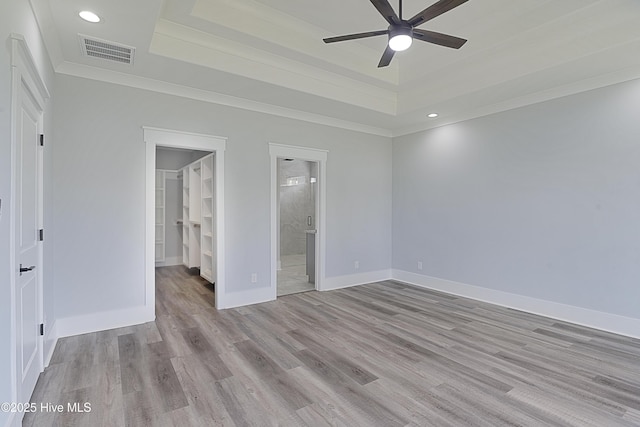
383, 354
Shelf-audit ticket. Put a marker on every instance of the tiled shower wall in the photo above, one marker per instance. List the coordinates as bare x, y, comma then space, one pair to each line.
297, 202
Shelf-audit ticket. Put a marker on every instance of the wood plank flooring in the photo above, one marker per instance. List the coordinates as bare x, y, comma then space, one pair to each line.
383, 354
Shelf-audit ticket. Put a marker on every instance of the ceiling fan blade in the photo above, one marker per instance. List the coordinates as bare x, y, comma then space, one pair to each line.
387, 56
386, 11
434, 10
355, 36
438, 38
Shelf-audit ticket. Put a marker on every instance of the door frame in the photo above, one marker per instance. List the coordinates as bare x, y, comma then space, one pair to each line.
24, 73
154, 137
277, 151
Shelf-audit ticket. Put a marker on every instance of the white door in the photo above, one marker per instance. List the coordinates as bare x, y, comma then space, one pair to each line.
27, 204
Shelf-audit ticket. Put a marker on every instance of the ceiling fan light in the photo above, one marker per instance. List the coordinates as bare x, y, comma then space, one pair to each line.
400, 37
400, 42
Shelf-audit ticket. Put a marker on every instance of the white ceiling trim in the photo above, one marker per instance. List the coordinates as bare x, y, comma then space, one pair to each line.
268, 24
186, 44
620, 76
130, 80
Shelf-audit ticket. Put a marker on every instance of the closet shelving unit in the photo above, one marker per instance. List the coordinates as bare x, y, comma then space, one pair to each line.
160, 215
198, 217
195, 177
185, 217
206, 255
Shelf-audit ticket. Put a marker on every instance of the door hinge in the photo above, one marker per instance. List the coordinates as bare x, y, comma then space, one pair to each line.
42, 329
42, 140
41, 234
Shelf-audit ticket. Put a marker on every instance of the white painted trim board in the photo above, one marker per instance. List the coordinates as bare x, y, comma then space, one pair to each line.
347, 281
105, 320
154, 137
319, 156
581, 316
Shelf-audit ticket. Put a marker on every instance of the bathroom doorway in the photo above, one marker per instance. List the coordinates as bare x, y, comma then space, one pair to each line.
298, 219
297, 223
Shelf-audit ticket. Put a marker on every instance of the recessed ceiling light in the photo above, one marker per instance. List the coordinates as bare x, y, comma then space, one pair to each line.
433, 115
89, 16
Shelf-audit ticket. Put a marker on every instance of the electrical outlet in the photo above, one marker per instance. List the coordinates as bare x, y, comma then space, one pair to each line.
419, 265
356, 264
254, 277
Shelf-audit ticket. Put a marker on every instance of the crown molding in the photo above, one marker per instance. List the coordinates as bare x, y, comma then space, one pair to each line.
93, 73
597, 82
123, 79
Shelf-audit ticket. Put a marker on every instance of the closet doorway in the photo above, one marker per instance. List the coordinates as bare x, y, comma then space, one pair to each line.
184, 229
185, 212
184, 207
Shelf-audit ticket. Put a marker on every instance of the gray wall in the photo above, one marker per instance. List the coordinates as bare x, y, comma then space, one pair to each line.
17, 17
297, 202
90, 202
173, 211
541, 201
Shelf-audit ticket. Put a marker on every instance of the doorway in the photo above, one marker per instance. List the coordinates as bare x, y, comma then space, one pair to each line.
178, 175
298, 200
184, 232
210, 200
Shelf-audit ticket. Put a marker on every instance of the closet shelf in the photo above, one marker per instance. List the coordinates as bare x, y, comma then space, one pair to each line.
198, 206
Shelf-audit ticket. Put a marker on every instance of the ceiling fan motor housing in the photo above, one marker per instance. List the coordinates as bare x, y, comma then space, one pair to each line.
400, 36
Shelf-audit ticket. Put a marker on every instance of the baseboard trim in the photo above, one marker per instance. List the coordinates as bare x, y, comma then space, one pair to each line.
103, 321
169, 261
582, 316
137, 315
50, 341
347, 281
248, 297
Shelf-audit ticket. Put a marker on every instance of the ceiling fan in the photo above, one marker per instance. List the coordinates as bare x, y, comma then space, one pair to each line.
401, 32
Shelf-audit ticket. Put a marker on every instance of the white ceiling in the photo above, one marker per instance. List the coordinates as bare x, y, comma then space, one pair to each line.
268, 55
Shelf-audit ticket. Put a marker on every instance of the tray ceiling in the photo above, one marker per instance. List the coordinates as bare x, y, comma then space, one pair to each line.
268, 55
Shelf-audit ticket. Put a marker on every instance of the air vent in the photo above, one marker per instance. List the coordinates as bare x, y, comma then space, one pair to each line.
107, 50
